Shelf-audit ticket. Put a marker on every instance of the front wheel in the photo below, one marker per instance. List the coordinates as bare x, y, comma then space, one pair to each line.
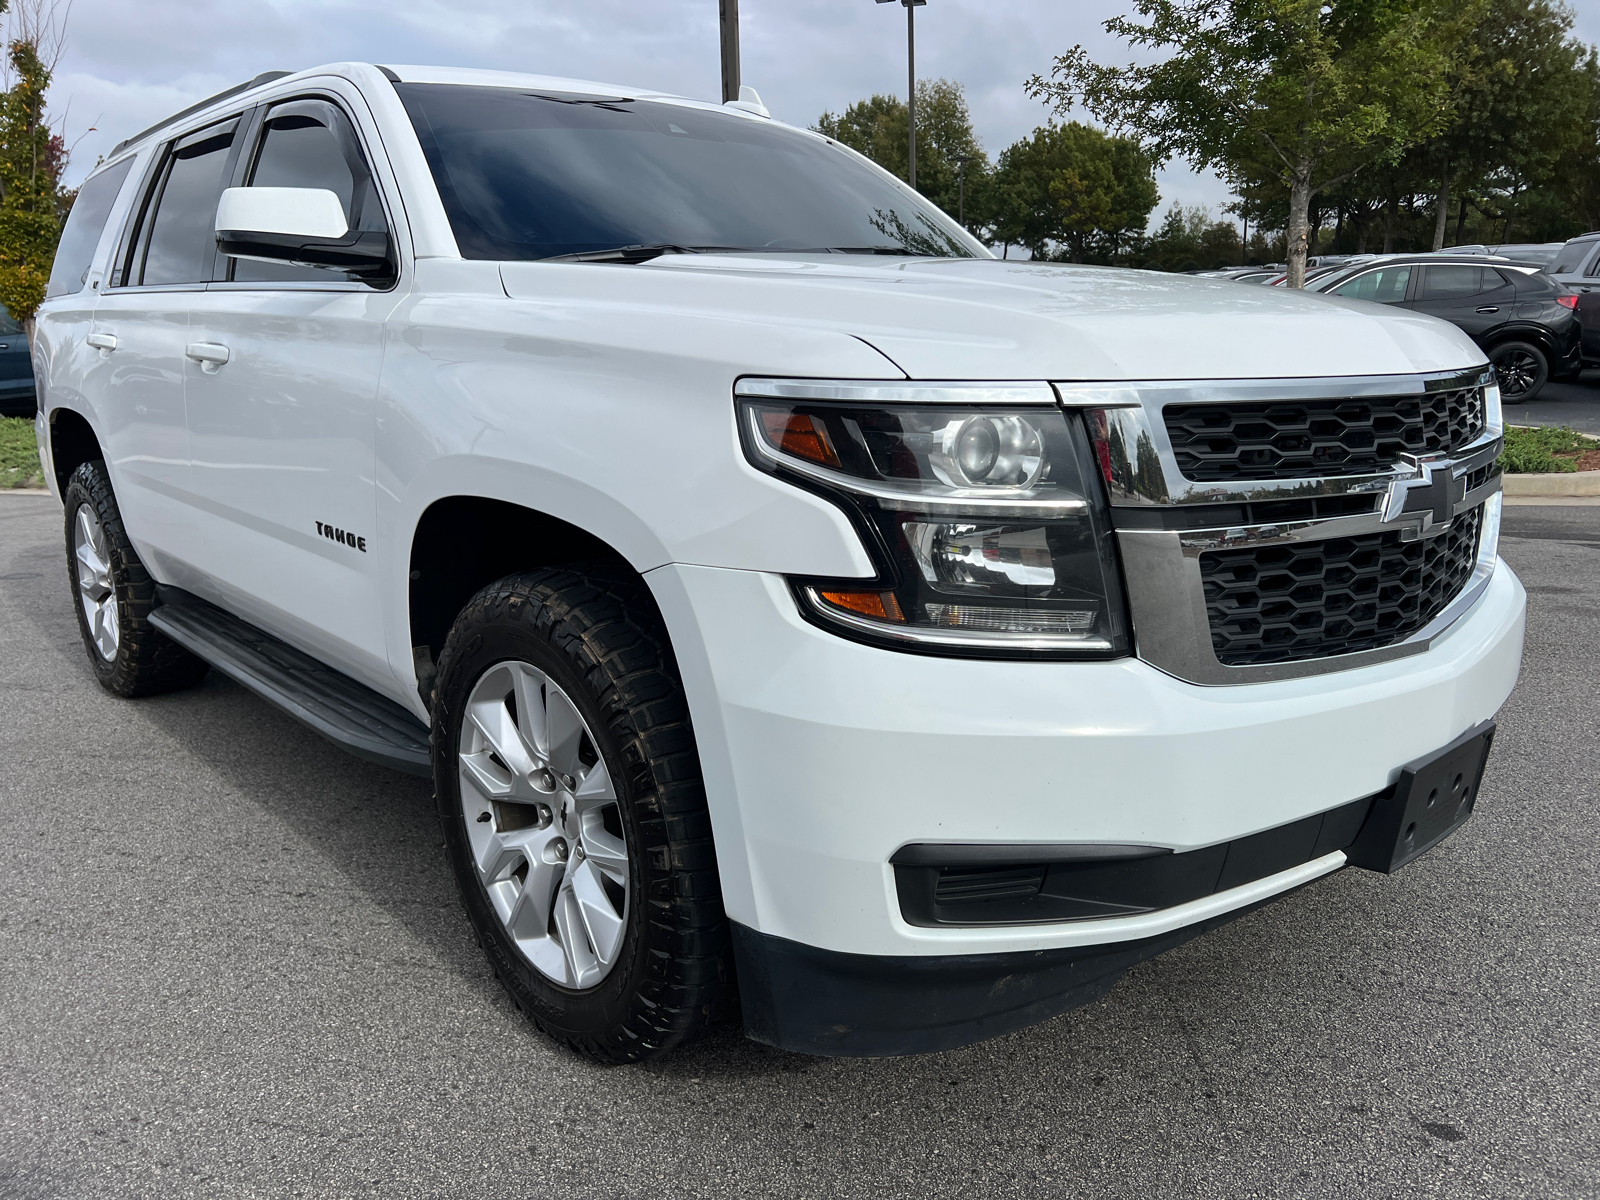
574, 814
1521, 369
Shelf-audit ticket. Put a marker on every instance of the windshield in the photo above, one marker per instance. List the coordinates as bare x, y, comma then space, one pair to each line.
527, 175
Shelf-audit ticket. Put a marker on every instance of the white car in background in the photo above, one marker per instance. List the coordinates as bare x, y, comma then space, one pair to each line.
804, 615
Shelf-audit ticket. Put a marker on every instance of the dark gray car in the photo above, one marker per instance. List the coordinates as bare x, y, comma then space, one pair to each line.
16, 369
1577, 268
1522, 318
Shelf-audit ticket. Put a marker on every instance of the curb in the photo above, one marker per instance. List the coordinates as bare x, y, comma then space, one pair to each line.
1573, 483
24, 491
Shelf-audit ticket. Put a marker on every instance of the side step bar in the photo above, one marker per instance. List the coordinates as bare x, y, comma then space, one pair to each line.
349, 714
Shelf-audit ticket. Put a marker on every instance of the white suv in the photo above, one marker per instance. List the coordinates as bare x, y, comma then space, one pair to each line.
801, 613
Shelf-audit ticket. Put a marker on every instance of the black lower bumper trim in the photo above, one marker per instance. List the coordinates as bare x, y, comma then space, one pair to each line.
824, 1002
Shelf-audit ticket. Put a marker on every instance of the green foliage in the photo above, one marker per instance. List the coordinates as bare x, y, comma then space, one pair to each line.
1306, 92
879, 127
1534, 451
1191, 239
29, 225
1073, 185
19, 454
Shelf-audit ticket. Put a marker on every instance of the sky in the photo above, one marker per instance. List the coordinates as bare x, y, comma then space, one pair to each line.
127, 65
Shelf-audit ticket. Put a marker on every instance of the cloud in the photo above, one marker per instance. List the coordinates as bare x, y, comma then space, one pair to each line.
129, 65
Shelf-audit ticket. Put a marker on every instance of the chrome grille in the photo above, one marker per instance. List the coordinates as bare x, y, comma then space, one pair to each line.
1291, 601
1305, 439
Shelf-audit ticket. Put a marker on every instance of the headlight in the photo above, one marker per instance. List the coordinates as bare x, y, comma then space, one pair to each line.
988, 524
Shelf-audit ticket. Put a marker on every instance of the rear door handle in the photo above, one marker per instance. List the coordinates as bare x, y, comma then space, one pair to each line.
1490, 308
103, 342
210, 355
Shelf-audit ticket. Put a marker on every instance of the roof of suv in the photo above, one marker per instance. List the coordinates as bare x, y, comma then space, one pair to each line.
466, 76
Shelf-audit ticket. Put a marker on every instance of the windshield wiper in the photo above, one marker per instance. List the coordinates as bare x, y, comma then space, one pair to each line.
622, 254
897, 250
640, 254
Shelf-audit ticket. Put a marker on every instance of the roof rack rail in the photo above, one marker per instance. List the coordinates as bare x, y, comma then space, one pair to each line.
264, 77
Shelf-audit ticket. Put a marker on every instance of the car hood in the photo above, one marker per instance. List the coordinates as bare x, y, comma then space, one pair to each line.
994, 319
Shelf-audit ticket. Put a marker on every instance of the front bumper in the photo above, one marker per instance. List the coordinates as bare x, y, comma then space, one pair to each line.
823, 757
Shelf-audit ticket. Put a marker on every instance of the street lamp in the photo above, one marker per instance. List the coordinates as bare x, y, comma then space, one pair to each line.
911, 75
730, 49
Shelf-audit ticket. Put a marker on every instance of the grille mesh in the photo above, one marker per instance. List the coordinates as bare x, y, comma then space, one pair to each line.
1318, 438
1294, 601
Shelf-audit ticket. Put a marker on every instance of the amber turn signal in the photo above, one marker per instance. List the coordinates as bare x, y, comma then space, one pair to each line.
880, 606
801, 435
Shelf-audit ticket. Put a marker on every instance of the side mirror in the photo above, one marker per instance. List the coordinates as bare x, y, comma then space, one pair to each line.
304, 226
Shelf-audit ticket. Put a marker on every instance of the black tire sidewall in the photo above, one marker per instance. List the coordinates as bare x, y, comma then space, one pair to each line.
1505, 348
81, 494
589, 1014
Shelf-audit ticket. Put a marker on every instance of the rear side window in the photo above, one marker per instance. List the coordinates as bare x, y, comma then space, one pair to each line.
1570, 259
181, 238
311, 144
86, 221
1455, 283
1386, 285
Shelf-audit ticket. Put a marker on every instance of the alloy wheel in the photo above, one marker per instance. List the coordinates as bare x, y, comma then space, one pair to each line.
544, 824
96, 589
1517, 372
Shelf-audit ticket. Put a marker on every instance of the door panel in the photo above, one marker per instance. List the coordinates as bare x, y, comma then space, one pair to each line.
136, 389
1477, 300
282, 447
282, 433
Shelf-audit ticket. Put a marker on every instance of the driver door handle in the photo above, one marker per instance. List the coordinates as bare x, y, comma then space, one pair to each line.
104, 342
210, 355
1490, 308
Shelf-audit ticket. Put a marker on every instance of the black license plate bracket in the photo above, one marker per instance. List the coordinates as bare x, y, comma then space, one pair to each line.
1431, 800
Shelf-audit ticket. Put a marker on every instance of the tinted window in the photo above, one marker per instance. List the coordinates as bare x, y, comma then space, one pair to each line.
183, 231
86, 221
1456, 283
1386, 285
527, 175
1570, 259
311, 144
9, 326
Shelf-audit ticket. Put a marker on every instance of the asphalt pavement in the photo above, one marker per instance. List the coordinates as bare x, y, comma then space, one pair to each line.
232, 964
1575, 404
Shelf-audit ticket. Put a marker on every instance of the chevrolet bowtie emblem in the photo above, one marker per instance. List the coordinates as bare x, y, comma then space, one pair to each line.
1426, 503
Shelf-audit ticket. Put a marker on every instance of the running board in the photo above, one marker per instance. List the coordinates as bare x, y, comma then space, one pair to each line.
349, 714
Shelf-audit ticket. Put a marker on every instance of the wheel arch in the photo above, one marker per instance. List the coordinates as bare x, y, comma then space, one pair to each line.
1536, 334
73, 442
463, 542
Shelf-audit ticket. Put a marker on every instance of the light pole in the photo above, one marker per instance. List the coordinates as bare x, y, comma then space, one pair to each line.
911, 7
730, 49
961, 161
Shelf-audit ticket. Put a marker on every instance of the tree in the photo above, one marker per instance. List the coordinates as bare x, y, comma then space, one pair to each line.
31, 158
1073, 185
879, 127
1320, 88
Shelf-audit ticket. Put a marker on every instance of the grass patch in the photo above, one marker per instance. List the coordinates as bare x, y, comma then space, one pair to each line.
1548, 450
19, 454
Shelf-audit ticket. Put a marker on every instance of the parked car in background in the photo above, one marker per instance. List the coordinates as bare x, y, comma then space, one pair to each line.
1526, 321
1577, 268
16, 370
1538, 254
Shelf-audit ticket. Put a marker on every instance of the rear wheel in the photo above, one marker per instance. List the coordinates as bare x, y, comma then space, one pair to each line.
1521, 369
574, 813
114, 595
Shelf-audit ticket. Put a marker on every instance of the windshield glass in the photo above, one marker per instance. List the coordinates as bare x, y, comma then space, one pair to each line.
527, 175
